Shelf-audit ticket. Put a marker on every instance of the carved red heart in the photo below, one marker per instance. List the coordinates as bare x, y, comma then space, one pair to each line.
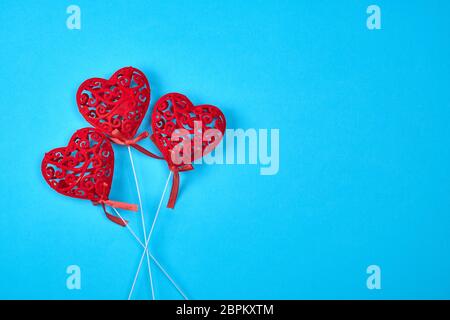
175, 114
84, 169
118, 104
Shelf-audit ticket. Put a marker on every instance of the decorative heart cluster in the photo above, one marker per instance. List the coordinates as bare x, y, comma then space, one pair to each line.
116, 108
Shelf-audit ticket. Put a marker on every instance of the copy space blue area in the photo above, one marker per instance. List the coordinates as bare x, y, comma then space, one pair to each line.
364, 149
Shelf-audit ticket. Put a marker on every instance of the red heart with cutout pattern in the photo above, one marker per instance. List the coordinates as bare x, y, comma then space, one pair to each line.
175, 115
84, 169
115, 105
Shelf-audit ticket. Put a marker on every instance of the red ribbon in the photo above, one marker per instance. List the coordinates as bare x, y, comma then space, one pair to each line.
118, 138
115, 204
176, 183
174, 191
119, 205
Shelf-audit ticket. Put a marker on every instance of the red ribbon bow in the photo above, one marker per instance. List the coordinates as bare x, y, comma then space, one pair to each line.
115, 204
118, 138
176, 183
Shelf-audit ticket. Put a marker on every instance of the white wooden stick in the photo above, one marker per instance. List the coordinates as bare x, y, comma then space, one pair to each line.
149, 235
143, 221
151, 256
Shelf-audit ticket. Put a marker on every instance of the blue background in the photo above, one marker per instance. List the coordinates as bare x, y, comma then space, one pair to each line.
364, 149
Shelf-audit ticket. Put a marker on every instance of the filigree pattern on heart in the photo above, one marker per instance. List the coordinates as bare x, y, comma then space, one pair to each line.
175, 111
119, 103
84, 169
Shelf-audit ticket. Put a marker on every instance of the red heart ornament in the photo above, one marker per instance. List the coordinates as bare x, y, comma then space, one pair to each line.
84, 169
119, 103
117, 106
175, 119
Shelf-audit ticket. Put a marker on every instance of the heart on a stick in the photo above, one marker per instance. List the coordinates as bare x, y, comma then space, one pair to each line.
184, 132
84, 169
